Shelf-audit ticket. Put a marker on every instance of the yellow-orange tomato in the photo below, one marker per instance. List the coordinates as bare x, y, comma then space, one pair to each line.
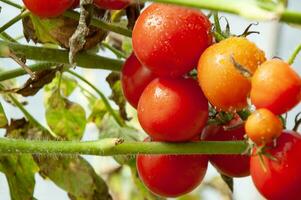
276, 86
262, 126
223, 85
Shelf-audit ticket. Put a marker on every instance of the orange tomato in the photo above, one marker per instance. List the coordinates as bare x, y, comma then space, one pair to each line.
276, 86
262, 126
223, 85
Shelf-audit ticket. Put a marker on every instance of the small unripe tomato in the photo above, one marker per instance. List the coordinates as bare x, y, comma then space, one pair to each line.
169, 39
262, 127
48, 8
171, 175
112, 4
173, 110
134, 78
276, 86
223, 85
280, 178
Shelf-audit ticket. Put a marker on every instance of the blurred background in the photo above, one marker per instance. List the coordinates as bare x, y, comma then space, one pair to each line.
275, 39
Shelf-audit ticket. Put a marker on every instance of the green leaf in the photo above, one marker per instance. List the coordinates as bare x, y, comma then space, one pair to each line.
3, 119
74, 175
117, 96
110, 129
65, 118
98, 111
127, 46
19, 171
67, 85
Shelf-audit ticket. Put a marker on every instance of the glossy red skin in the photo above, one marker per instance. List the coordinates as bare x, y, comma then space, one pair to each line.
134, 79
169, 39
282, 180
229, 165
112, 4
48, 8
171, 175
173, 110
75, 4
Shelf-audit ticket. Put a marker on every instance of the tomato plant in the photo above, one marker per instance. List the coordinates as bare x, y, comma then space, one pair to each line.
218, 77
201, 93
134, 78
280, 178
176, 37
276, 78
229, 165
48, 8
171, 175
173, 109
262, 127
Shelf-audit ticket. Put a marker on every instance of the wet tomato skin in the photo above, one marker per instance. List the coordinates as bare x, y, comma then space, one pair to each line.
262, 126
171, 175
48, 8
173, 109
169, 39
134, 78
282, 179
229, 165
223, 85
276, 86
112, 4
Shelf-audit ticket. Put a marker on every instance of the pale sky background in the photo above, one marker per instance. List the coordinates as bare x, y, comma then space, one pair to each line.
274, 39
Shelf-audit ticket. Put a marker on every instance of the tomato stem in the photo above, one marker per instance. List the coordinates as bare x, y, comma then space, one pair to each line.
102, 96
12, 4
253, 9
101, 24
84, 59
113, 146
291, 60
14, 20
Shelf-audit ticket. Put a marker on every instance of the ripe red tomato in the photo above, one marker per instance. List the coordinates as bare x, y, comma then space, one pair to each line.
134, 78
262, 127
171, 175
169, 39
112, 4
75, 4
48, 8
282, 178
173, 109
223, 85
229, 165
276, 86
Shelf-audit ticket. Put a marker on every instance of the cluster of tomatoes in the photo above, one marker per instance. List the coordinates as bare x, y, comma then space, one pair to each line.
169, 42
54, 8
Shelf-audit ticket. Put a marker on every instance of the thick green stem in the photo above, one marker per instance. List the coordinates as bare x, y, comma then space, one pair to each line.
14, 20
102, 96
84, 59
110, 147
294, 55
251, 9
